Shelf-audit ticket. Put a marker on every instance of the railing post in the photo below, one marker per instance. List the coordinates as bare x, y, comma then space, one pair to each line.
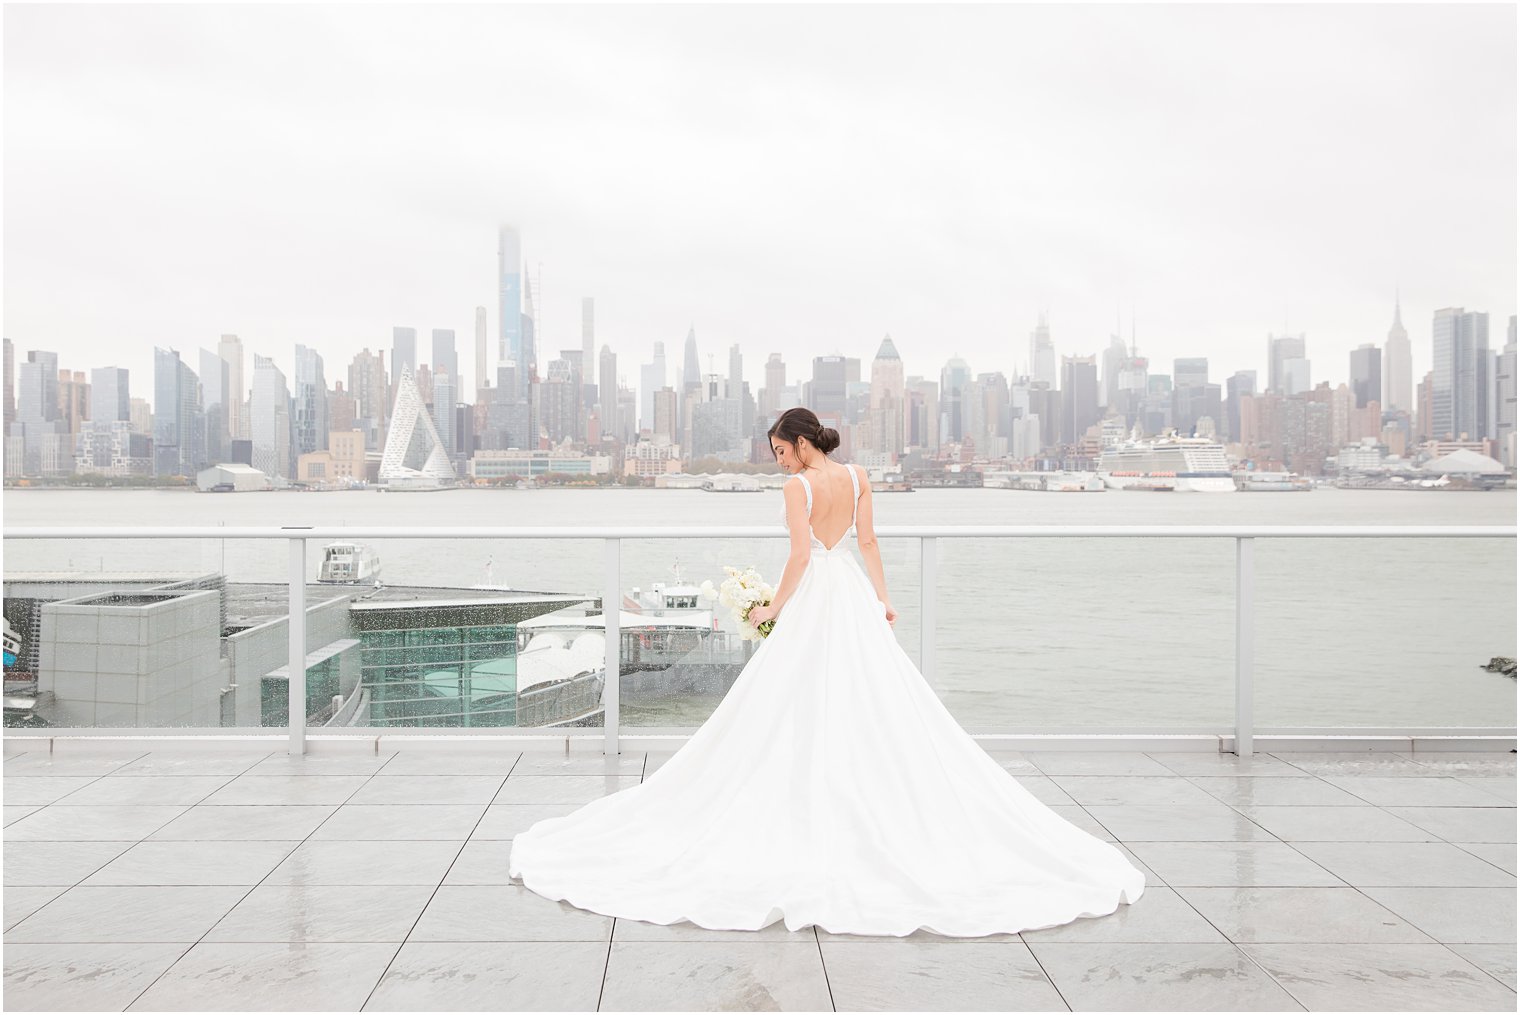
1245, 582
612, 609
928, 566
296, 668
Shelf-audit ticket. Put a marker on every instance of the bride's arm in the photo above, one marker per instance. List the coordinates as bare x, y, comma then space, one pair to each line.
797, 560
870, 552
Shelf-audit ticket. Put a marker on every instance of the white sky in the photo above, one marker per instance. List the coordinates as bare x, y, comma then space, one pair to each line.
800, 180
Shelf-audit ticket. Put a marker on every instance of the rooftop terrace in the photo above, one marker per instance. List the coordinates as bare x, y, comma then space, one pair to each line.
232, 875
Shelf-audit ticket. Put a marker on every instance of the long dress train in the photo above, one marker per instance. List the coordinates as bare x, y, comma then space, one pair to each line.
829, 787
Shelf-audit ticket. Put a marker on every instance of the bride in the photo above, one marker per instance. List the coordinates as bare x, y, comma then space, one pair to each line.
830, 787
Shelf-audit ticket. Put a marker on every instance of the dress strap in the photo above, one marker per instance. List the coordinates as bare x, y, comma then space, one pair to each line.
808, 487
854, 481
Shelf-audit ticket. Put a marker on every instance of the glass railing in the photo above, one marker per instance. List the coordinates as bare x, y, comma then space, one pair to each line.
1109, 630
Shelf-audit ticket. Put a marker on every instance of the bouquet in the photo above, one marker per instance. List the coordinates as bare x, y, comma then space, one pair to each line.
741, 592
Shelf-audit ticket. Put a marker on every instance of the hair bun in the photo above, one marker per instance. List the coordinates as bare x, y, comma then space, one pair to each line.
827, 439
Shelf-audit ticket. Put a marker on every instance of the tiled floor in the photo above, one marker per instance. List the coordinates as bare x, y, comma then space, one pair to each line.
173, 881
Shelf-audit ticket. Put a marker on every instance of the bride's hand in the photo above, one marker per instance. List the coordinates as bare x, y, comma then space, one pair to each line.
760, 614
891, 613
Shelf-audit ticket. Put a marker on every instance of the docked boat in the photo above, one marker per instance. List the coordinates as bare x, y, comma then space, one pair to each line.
1272, 482
348, 564
1183, 464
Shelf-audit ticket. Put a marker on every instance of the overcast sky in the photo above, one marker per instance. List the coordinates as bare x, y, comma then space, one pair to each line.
801, 180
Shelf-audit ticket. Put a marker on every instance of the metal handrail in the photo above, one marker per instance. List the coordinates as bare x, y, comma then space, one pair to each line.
928, 536
759, 531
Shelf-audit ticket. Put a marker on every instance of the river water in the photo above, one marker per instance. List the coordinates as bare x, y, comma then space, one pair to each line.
1036, 634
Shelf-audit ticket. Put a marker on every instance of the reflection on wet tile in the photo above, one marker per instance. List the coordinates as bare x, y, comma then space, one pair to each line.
1454, 915
59, 863
685, 930
184, 790
1213, 764
1381, 977
1118, 791
516, 976
428, 789
1158, 915
1096, 763
402, 821
1159, 977
340, 862
503, 821
42, 789
1170, 823
331, 913
715, 976
470, 762
561, 789
1334, 824
1462, 824
237, 823
508, 913
1497, 961
81, 823
218, 976
82, 977
1306, 791
21, 903
266, 790
481, 862
193, 863
1415, 864
1300, 915
581, 763
1232, 864
936, 976
1425, 791
101, 914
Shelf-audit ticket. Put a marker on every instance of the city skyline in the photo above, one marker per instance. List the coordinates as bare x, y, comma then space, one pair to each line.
807, 202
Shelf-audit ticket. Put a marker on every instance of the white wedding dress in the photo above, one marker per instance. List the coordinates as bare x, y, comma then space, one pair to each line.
830, 787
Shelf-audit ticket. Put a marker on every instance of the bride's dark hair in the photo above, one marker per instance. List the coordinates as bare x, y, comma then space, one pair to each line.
799, 422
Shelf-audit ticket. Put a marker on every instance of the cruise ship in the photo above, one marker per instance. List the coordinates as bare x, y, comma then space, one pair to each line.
1167, 463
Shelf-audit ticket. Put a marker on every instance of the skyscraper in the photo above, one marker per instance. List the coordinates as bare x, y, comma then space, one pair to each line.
607, 393
828, 388
1366, 374
110, 397
370, 391
269, 419
230, 348
887, 425
770, 395
953, 378
1239, 385
178, 448
445, 353
529, 318
10, 384
1398, 372
1042, 355
482, 367
310, 403
1281, 349
216, 383
403, 356
1456, 337
588, 344
1079, 396
1505, 391
691, 370
651, 379
508, 307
